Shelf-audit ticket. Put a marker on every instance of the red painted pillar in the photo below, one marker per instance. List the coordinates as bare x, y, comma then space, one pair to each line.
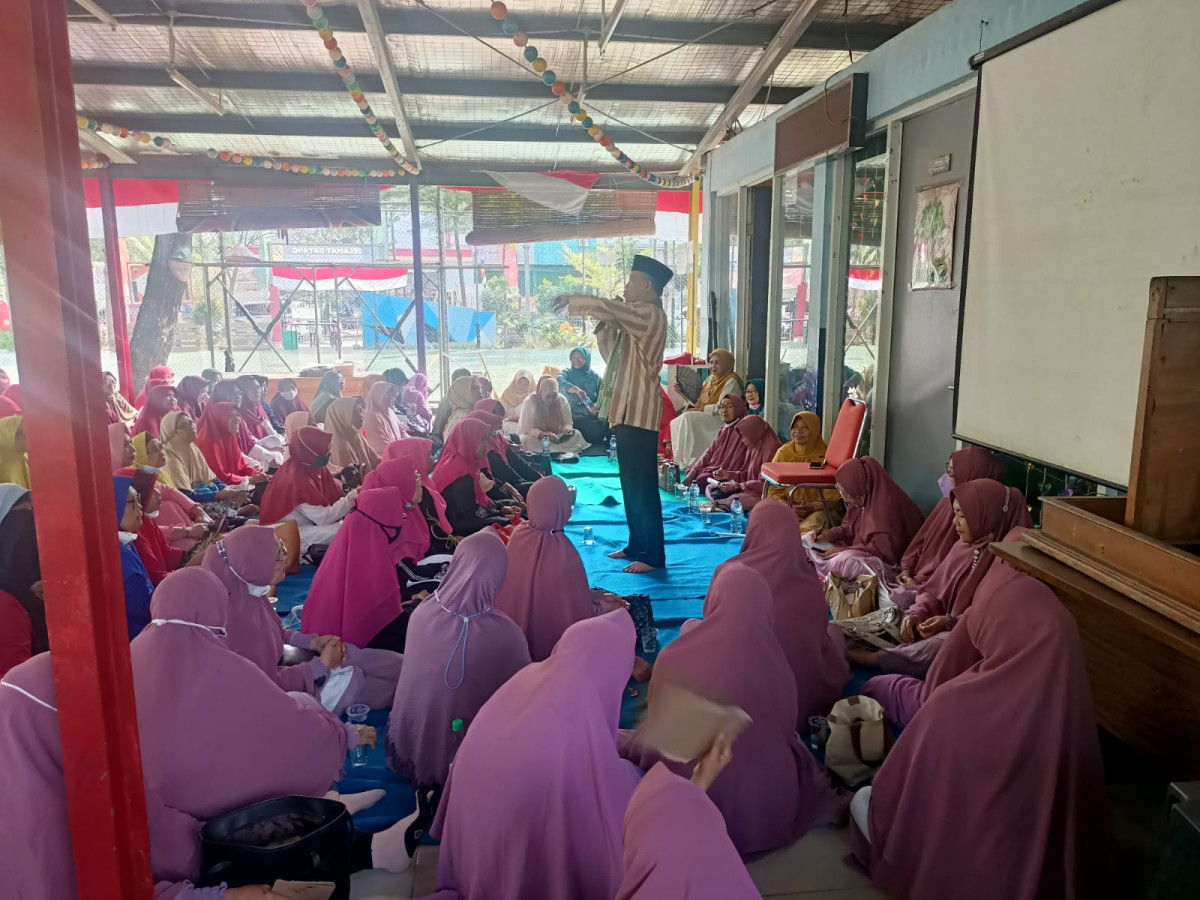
58, 351
116, 285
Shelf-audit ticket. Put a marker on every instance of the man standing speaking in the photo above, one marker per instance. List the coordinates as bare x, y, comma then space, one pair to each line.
632, 334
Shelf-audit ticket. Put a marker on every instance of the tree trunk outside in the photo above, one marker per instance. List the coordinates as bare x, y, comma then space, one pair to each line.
154, 330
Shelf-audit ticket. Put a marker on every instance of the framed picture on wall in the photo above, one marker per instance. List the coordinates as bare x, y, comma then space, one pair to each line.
933, 238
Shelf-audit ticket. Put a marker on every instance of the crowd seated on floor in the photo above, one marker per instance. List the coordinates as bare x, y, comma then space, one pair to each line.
448, 596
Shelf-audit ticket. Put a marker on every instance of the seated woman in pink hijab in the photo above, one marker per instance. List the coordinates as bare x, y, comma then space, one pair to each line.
996, 789
535, 804
356, 592
35, 837
305, 492
217, 734
676, 845
984, 511
744, 484
934, 539
417, 452
774, 791
460, 650
381, 425
249, 562
460, 477
727, 453
546, 590
814, 648
880, 519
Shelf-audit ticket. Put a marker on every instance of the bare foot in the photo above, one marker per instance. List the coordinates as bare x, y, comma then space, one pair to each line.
869, 658
638, 568
617, 554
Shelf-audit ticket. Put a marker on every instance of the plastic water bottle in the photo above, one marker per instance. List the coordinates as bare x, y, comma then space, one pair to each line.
612, 449
458, 730
735, 509
545, 445
694, 498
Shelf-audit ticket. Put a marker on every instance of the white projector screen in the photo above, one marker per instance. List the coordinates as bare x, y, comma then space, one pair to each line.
1086, 185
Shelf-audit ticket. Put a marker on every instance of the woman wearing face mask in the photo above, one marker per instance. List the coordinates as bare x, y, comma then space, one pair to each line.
461, 651
158, 557
304, 491
138, 587
460, 479
356, 592
547, 414
188, 471
727, 454
183, 521
287, 400
14, 464
694, 430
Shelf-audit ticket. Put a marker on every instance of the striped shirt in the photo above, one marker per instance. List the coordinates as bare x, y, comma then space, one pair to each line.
637, 391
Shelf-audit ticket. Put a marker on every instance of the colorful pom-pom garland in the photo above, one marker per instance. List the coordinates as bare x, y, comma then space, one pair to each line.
139, 137
296, 168
317, 16
512, 29
96, 163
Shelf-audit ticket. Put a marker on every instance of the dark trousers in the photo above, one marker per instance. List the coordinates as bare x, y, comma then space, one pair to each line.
637, 457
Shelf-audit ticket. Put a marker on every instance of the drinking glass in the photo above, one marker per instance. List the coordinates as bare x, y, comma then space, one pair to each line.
588, 538
357, 715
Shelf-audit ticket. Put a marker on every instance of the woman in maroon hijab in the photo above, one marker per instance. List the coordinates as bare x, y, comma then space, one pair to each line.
880, 518
996, 790
774, 791
728, 453
761, 443
159, 401
546, 591
984, 511
814, 648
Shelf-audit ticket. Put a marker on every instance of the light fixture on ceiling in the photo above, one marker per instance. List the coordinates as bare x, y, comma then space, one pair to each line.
205, 97
213, 102
99, 12
98, 145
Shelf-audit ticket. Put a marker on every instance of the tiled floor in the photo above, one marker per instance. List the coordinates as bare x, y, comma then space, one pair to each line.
812, 868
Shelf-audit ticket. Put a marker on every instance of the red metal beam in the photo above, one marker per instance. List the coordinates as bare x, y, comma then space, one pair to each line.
44, 229
116, 285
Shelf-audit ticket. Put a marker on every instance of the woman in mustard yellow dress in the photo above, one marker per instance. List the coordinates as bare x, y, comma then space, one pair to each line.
806, 446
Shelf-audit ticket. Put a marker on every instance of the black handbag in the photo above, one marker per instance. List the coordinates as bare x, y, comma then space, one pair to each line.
293, 838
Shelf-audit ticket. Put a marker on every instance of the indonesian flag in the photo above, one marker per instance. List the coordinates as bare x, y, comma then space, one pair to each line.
144, 206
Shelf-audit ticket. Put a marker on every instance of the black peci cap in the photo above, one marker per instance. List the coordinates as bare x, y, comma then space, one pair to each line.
657, 272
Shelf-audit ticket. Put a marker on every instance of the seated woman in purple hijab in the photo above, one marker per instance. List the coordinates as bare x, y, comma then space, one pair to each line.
814, 648
996, 790
774, 791
984, 511
934, 539
35, 836
249, 562
460, 651
535, 804
880, 519
217, 734
546, 590
728, 453
676, 845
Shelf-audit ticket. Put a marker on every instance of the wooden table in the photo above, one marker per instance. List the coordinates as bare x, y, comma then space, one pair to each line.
1144, 668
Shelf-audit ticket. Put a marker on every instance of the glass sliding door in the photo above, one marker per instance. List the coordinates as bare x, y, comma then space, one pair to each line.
859, 350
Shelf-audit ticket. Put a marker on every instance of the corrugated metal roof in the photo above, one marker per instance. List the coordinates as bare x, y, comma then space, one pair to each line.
669, 89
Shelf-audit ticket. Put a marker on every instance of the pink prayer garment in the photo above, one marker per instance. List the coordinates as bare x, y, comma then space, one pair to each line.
542, 750
996, 789
814, 648
459, 651
774, 790
546, 591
